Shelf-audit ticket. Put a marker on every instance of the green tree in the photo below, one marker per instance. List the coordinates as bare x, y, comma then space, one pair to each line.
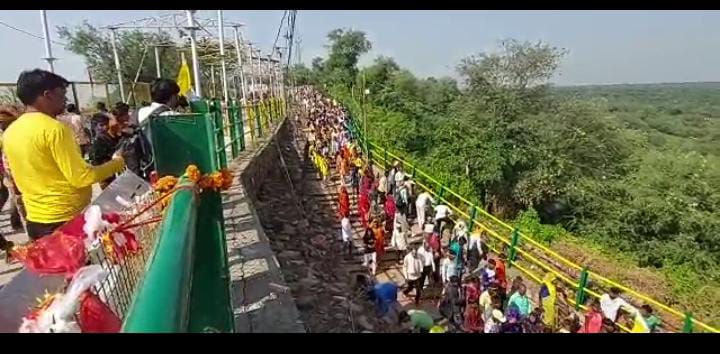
345, 48
95, 46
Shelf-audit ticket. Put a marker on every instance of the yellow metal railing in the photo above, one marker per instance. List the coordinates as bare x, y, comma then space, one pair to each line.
382, 155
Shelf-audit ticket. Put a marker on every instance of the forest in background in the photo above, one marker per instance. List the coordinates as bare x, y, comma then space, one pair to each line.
630, 171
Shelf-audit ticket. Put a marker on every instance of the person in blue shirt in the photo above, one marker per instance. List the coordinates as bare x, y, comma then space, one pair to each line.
383, 294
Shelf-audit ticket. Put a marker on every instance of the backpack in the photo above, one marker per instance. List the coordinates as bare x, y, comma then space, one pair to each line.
141, 158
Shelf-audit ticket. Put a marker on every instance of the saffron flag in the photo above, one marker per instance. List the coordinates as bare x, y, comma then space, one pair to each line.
183, 78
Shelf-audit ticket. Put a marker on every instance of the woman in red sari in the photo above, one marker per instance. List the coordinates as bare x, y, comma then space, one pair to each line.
389, 212
344, 202
364, 207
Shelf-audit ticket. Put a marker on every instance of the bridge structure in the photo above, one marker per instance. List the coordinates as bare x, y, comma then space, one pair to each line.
190, 280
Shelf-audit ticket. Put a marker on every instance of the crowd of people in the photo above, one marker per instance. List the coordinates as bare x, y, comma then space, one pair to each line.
51, 159
52, 154
443, 253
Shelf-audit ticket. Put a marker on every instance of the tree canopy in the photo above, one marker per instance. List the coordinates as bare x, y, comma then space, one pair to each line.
634, 169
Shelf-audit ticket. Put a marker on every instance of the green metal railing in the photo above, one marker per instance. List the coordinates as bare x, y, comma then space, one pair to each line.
186, 285
524, 253
162, 303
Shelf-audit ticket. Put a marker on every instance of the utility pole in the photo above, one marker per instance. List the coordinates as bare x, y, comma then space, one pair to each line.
252, 73
221, 37
193, 47
238, 52
48, 47
118, 68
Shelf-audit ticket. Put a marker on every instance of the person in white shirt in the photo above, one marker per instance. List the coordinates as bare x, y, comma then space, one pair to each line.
428, 258
611, 302
421, 204
399, 240
165, 97
401, 221
346, 234
391, 178
399, 175
447, 266
442, 215
403, 196
413, 270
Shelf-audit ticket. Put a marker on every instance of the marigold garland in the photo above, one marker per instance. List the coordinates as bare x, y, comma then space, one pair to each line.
218, 180
193, 173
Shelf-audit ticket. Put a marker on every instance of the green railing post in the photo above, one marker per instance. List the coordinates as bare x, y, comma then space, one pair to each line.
241, 125
256, 109
219, 134
688, 323
473, 214
582, 285
514, 240
441, 192
232, 115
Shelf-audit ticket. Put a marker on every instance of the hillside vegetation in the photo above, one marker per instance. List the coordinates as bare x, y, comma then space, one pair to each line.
629, 173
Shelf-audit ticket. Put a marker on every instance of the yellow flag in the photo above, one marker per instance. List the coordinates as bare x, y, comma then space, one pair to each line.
183, 78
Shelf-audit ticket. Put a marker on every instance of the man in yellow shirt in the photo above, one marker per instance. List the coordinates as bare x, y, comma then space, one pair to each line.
44, 159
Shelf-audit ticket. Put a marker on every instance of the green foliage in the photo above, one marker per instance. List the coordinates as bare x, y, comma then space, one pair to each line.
95, 46
529, 222
634, 168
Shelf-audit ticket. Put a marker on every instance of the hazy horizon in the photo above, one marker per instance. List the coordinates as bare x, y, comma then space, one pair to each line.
604, 47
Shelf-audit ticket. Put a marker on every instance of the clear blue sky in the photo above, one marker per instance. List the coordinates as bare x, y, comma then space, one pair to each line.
604, 46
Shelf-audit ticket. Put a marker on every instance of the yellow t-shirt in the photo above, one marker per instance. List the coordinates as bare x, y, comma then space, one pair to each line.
46, 165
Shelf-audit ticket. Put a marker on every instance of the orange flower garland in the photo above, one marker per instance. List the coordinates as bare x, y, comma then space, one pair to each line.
218, 180
193, 173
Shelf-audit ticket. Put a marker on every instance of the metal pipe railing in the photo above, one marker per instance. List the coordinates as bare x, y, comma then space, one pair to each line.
162, 302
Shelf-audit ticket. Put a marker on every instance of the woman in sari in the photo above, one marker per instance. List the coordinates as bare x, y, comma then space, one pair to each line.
324, 167
344, 202
473, 321
593, 318
389, 212
379, 233
364, 208
548, 299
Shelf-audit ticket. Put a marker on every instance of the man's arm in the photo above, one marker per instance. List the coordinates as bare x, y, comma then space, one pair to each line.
67, 157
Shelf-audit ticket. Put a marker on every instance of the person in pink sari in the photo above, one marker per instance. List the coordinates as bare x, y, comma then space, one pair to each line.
593, 318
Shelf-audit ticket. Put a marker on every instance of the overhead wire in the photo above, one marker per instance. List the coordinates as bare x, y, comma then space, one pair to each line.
30, 33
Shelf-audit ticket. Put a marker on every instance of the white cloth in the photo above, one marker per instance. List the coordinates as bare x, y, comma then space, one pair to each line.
382, 184
346, 228
412, 267
447, 269
144, 113
420, 219
610, 306
474, 242
460, 229
442, 211
401, 220
427, 257
422, 200
399, 240
399, 177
